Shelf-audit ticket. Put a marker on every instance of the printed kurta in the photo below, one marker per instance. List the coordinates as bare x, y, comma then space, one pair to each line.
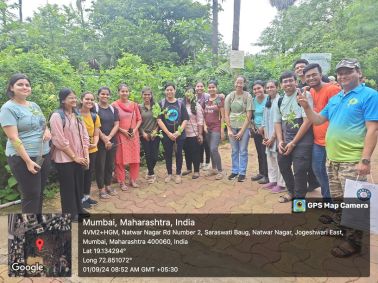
128, 150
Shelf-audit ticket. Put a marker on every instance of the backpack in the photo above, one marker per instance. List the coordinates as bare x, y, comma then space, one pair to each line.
217, 101
298, 120
280, 103
245, 100
63, 116
97, 107
180, 103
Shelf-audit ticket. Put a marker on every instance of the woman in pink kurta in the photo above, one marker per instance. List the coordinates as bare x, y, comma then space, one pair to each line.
127, 139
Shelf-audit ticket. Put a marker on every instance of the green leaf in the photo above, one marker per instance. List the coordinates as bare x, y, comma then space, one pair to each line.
12, 197
12, 182
7, 168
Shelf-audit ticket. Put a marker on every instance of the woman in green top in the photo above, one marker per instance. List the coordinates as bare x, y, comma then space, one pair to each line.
238, 112
148, 131
27, 148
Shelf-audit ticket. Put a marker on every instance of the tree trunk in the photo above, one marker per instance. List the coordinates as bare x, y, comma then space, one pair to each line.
235, 31
214, 39
79, 6
281, 4
20, 9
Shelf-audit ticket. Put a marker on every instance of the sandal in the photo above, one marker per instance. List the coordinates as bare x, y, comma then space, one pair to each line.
111, 191
152, 179
285, 198
123, 187
134, 184
104, 195
195, 175
187, 172
345, 249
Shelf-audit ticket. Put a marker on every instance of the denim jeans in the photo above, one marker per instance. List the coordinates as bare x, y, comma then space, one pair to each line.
239, 153
213, 140
204, 149
319, 157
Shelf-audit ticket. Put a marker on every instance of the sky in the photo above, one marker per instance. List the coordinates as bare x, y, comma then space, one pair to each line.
255, 16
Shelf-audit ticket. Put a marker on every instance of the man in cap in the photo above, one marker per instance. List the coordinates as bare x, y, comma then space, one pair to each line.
350, 140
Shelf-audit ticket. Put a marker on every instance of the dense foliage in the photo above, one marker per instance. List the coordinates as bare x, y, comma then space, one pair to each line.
344, 28
149, 42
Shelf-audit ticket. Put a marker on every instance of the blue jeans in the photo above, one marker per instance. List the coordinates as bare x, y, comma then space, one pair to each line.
319, 157
213, 140
239, 152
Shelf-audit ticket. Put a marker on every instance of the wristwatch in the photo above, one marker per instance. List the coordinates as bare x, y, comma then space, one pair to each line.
365, 161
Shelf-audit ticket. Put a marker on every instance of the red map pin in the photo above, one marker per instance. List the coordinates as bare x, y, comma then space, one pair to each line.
39, 243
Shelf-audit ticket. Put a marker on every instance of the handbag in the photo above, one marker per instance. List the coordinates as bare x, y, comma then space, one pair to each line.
361, 194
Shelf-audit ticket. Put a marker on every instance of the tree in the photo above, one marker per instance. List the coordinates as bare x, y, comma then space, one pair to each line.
235, 29
305, 27
6, 12
214, 36
150, 28
281, 4
20, 9
79, 6
344, 28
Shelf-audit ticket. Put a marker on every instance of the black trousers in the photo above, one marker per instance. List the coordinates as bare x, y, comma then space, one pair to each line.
151, 152
31, 185
71, 181
205, 148
192, 153
300, 159
168, 146
89, 173
104, 166
261, 155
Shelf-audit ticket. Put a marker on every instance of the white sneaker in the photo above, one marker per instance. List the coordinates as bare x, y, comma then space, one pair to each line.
168, 178
211, 172
178, 179
151, 179
206, 166
219, 176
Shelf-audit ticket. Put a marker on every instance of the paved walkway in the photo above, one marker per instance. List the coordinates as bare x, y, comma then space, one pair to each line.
203, 195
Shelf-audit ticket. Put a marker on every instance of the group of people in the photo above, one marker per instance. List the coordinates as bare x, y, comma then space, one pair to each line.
96, 137
294, 135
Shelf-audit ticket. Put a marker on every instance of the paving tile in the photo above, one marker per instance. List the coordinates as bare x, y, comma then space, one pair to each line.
206, 195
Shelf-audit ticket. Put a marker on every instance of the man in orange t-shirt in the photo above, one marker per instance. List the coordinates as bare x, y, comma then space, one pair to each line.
321, 92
